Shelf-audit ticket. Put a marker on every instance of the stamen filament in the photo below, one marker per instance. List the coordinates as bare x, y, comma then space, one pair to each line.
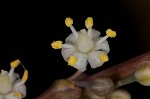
22, 66
11, 72
89, 32
101, 40
74, 31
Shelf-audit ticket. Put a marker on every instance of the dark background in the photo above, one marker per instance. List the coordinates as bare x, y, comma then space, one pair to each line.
27, 30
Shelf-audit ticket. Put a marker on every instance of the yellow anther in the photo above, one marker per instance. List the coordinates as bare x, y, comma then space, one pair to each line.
68, 22
110, 33
57, 45
15, 63
89, 22
72, 60
103, 57
25, 76
17, 94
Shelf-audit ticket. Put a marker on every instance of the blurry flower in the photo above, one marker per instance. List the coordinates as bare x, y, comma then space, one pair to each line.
11, 85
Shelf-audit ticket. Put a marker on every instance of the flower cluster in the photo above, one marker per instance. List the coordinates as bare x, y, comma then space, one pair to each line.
84, 46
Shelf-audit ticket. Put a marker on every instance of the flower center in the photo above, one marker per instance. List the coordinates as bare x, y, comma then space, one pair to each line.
84, 42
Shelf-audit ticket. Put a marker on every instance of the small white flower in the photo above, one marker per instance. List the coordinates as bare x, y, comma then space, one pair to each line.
11, 85
84, 46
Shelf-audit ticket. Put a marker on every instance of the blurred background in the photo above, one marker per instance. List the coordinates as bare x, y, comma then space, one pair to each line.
28, 29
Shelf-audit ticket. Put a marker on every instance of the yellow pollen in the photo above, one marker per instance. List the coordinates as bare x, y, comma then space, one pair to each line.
15, 63
68, 22
103, 57
57, 45
25, 76
89, 22
72, 60
110, 33
17, 94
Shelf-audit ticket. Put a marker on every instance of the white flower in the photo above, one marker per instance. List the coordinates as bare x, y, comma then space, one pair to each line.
84, 46
11, 85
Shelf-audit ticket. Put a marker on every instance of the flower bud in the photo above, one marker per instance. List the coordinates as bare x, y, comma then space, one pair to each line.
102, 86
142, 73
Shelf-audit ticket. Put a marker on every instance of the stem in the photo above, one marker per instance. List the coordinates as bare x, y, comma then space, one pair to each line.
75, 75
86, 84
125, 81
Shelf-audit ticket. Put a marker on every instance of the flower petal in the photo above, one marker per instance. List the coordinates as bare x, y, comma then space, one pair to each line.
11, 96
71, 39
94, 60
82, 61
66, 52
95, 34
104, 46
21, 89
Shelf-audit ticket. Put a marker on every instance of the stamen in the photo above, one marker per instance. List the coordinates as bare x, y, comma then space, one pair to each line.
89, 22
25, 76
17, 94
110, 33
103, 57
69, 22
15, 63
56, 44
72, 60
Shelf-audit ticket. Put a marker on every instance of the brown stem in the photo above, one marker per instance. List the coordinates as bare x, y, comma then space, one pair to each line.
123, 69
75, 75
